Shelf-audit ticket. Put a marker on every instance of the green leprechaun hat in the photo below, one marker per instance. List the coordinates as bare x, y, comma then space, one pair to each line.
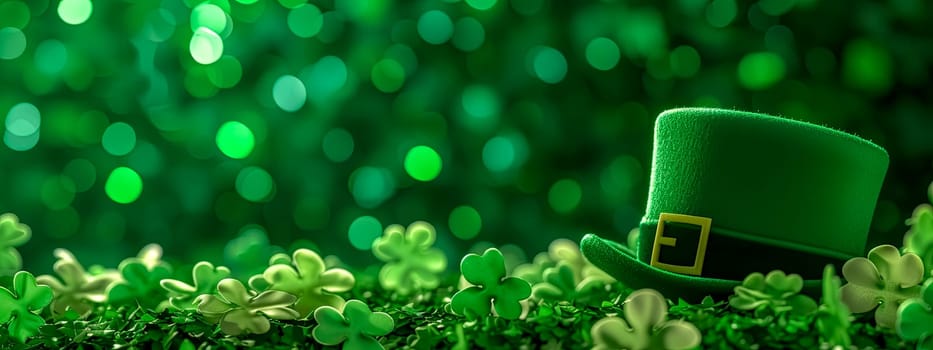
734, 193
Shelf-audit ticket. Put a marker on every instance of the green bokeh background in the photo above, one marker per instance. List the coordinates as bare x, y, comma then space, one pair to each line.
541, 113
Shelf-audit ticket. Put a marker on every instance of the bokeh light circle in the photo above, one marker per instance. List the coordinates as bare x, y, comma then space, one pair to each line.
603, 53
209, 16
499, 154
338, 145
206, 46
23, 119
564, 195
305, 21
363, 231
423, 163
388, 75
123, 185
371, 186
235, 140
481, 5
469, 34
289, 93
119, 139
465, 222
481, 101
75, 12
12, 43
435, 27
685, 61
255, 184
549, 65
761, 70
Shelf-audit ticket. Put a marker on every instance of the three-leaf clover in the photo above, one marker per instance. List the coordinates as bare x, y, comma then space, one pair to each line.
12, 234
833, 317
205, 277
241, 311
915, 318
20, 306
141, 280
491, 288
883, 281
411, 263
76, 289
356, 328
776, 292
561, 284
645, 326
308, 279
919, 238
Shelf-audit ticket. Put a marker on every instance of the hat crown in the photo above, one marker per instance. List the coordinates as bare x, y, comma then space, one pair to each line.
772, 180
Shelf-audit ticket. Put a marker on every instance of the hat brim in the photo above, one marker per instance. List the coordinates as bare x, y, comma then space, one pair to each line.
621, 263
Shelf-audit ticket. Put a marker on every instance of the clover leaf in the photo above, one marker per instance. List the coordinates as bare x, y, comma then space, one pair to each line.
76, 289
205, 276
241, 311
357, 328
533, 272
411, 263
915, 318
561, 284
491, 288
12, 234
645, 326
919, 238
881, 283
833, 318
141, 280
20, 306
775, 293
308, 279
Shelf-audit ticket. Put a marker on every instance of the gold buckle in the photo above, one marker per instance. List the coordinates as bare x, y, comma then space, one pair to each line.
660, 239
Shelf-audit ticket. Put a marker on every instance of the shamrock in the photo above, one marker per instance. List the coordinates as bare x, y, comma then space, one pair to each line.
205, 277
308, 279
20, 306
883, 281
562, 250
356, 328
561, 284
647, 326
141, 279
491, 287
573, 278
12, 234
777, 293
76, 290
919, 239
241, 311
833, 318
411, 263
915, 318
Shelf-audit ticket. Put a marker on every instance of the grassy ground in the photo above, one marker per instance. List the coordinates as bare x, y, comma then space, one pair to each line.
423, 321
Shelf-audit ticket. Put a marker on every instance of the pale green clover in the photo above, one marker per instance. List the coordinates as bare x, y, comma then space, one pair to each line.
775, 293
567, 251
919, 238
645, 326
357, 328
76, 289
882, 282
915, 318
411, 263
241, 311
20, 306
533, 272
833, 317
308, 279
491, 288
205, 276
561, 284
141, 280
12, 234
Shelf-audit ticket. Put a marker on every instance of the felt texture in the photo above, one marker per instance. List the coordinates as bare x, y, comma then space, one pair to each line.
782, 194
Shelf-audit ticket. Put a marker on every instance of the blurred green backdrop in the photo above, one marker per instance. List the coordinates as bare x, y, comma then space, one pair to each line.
210, 126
